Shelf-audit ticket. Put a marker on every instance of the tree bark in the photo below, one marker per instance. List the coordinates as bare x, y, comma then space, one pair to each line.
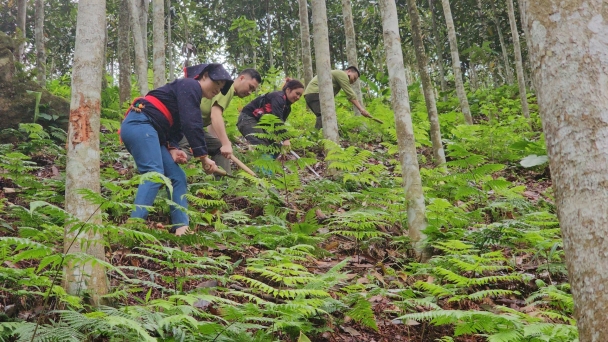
439, 47
21, 18
124, 57
305, 39
269, 36
83, 156
144, 7
170, 43
351, 47
503, 46
39, 37
326, 95
405, 130
158, 46
518, 61
141, 61
427, 86
462, 95
568, 48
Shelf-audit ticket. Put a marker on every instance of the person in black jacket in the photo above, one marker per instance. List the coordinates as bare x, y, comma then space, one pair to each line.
277, 103
155, 124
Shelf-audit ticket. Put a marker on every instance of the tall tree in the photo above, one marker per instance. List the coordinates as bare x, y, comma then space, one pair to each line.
416, 217
141, 61
269, 36
439, 47
427, 86
503, 46
462, 95
39, 38
326, 95
351, 47
305, 39
518, 61
158, 46
170, 41
124, 57
144, 9
83, 156
568, 51
21, 18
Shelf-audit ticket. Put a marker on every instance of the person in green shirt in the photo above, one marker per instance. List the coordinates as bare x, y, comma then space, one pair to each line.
340, 80
219, 146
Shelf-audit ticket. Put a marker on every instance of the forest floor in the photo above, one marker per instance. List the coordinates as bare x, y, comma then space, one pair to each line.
497, 271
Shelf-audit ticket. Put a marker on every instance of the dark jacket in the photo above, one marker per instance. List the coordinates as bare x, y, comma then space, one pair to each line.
182, 98
272, 103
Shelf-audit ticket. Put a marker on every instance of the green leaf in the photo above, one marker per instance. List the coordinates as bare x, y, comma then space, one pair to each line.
303, 338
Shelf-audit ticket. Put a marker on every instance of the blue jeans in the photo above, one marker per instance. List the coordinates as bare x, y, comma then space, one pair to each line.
141, 140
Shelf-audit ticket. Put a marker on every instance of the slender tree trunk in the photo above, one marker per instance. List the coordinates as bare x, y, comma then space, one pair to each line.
158, 46
141, 61
21, 17
39, 37
439, 47
269, 36
427, 86
124, 57
144, 7
351, 47
170, 43
518, 61
405, 130
462, 95
568, 50
503, 46
83, 156
305, 38
326, 95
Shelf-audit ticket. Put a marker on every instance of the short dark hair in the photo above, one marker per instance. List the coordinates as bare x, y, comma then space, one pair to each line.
354, 68
252, 73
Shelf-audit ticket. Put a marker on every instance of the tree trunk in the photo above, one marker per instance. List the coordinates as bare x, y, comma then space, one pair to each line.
124, 57
170, 43
158, 46
83, 156
351, 47
144, 7
568, 50
141, 61
518, 61
462, 95
326, 95
439, 47
427, 86
305, 38
21, 17
405, 130
39, 37
269, 36
503, 46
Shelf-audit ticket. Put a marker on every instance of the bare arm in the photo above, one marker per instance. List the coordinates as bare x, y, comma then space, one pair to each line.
360, 107
218, 128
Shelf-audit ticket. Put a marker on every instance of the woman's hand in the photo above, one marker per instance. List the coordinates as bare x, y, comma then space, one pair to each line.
208, 165
178, 156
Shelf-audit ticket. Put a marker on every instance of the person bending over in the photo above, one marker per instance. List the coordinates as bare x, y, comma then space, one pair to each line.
155, 124
277, 103
219, 146
340, 80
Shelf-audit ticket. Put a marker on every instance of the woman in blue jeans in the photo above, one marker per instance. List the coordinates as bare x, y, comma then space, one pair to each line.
156, 123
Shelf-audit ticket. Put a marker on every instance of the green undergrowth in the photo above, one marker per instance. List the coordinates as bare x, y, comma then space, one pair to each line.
289, 256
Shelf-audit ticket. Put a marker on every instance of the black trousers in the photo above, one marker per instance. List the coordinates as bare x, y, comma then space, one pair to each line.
312, 101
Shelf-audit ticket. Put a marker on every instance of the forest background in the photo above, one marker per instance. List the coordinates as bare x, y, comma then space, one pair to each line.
287, 256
